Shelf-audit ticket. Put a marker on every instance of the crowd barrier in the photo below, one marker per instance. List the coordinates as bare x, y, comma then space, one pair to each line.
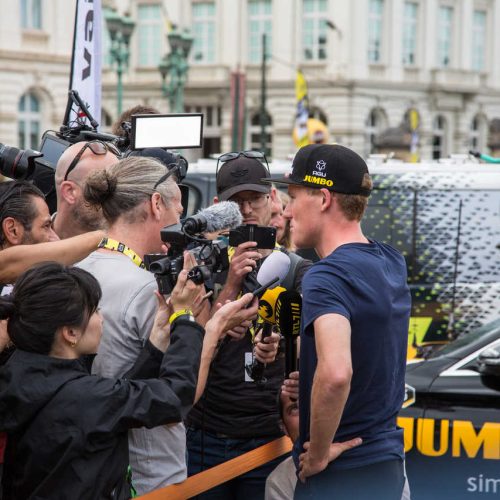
221, 473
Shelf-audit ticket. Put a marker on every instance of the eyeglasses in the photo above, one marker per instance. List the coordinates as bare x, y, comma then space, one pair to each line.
254, 203
256, 155
99, 148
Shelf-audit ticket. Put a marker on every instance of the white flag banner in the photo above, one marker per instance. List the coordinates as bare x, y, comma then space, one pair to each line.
86, 58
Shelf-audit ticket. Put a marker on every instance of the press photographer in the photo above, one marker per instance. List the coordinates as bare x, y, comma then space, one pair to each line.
234, 412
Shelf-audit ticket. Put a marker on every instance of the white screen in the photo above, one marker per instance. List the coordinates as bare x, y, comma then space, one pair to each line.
167, 131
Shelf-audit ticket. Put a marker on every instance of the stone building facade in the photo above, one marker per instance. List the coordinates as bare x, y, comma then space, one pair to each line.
366, 62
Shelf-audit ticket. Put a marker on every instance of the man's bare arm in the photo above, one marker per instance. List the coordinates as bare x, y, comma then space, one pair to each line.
331, 385
15, 260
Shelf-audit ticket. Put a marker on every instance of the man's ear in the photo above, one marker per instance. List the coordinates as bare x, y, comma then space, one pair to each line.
69, 192
273, 194
216, 199
326, 199
13, 231
157, 205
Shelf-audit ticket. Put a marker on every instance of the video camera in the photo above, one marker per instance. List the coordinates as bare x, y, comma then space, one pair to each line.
211, 255
144, 131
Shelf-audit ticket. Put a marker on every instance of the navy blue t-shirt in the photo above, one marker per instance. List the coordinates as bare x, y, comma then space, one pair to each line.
366, 283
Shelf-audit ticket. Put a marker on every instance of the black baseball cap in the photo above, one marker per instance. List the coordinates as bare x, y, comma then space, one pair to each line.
329, 166
241, 174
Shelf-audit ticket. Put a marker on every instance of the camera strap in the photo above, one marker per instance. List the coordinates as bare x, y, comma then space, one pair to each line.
116, 246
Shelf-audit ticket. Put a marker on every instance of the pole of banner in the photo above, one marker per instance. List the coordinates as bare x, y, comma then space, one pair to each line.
74, 48
263, 113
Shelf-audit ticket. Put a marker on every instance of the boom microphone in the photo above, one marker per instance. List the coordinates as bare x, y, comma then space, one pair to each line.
219, 216
288, 312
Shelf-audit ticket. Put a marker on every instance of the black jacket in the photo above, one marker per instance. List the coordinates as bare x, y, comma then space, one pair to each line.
67, 429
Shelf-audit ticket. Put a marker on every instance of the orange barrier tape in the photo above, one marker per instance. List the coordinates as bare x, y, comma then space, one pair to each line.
221, 473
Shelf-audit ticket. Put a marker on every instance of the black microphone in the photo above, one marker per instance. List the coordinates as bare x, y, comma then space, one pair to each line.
219, 216
288, 313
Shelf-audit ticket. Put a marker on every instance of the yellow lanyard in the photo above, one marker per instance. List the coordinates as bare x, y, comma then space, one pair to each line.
116, 246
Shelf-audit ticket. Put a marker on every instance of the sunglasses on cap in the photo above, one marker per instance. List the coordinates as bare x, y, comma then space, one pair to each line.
256, 155
97, 147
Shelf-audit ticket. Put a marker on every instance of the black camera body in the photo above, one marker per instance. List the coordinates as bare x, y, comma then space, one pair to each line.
211, 257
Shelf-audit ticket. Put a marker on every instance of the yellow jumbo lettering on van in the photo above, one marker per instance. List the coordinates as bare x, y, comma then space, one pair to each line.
407, 424
425, 436
466, 438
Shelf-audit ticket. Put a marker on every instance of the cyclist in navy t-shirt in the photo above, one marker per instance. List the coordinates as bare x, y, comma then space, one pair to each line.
356, 308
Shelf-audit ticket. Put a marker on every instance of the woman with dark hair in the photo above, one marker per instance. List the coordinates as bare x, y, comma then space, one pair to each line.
67, 429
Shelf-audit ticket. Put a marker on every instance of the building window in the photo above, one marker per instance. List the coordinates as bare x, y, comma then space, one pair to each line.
259, 22
149, 34
438, 138
256, 132
204, 32
445, 32
478, 133
374, 125
29, 122
375, 26
212, 115
314, 29
31, 14
479, 40
410, 33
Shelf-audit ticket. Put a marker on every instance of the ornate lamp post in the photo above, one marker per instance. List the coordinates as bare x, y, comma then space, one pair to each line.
175, 66
120, 30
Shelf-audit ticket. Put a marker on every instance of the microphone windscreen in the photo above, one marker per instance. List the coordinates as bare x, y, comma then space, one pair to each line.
267, 304
288, 312
275, 265
222, 215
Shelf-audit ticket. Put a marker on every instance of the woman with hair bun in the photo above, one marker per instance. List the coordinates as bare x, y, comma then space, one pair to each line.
67, 429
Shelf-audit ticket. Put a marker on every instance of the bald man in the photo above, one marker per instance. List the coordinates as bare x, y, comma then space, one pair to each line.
74, 216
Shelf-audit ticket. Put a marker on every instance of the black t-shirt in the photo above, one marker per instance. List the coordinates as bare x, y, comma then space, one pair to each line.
232, 403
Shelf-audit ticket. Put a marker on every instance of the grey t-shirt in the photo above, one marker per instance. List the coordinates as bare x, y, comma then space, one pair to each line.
128, 307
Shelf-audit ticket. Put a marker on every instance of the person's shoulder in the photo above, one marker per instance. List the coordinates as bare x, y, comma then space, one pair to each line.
119, 267
389, 251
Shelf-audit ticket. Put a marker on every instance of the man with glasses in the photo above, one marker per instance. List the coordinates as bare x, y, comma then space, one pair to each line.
236, 414
74, 216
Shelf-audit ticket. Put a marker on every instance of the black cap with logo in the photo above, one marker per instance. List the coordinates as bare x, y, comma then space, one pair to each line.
241, 174
329, 166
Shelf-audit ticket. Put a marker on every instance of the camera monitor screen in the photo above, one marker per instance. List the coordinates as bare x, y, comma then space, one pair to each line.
52, 148
176, 131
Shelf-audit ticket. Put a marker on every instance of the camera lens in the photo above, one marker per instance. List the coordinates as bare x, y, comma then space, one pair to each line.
13, 162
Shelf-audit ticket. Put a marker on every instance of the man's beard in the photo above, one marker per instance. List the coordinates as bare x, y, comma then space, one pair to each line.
87, 218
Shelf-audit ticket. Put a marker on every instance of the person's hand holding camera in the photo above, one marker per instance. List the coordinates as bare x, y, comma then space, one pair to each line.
185, 291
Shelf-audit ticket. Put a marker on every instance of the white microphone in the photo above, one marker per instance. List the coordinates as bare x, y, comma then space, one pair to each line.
272, 272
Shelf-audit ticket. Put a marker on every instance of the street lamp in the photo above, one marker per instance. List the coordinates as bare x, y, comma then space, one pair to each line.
120, 30
175, 65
